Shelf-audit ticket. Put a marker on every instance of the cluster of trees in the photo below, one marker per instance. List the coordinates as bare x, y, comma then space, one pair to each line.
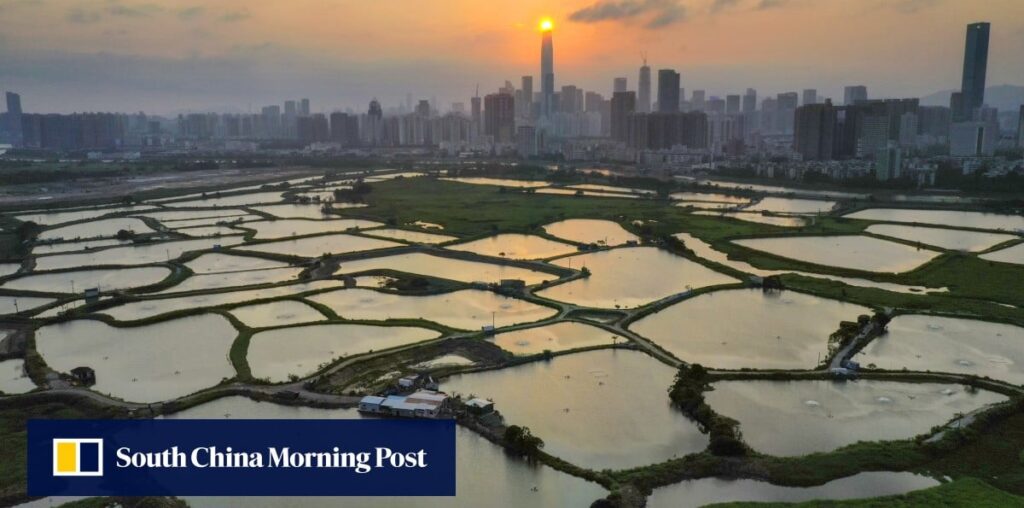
28, 230
522, 171
37, 175
521, 440
672, 243
687, 393
345, 162
196, 166
949, 177
356, 194
848, 330
738, 172
409, 284
861, 182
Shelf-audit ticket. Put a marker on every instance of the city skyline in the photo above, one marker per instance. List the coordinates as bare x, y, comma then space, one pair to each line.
85, 68
529, 125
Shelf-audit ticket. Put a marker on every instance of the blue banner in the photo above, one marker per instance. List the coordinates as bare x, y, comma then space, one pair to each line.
367, 457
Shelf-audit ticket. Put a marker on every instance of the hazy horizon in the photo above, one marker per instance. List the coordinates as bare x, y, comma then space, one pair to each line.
163, 56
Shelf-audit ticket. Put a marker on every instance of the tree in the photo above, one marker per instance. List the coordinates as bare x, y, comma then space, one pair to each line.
361, 188
521, 440
688, 390
724, 438
27, 230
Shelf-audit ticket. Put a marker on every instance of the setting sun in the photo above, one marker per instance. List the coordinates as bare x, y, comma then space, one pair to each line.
546, 25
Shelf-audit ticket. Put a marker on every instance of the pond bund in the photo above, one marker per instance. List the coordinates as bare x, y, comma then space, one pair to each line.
585, 399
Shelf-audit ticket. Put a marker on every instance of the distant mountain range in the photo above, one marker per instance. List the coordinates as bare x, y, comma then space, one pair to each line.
1002, 97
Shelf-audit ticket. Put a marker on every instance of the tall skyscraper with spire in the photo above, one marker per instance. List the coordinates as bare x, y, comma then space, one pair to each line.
643, 103
547, 69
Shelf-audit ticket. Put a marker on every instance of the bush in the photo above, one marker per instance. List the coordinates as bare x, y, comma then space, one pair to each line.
727, 445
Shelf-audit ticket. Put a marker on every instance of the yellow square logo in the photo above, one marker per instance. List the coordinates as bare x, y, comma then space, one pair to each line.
77, 457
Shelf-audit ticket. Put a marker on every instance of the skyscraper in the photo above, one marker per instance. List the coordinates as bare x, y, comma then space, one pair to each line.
854, 93
476, 117
975, 64
14, 127
814, 131
619, 85
644, 91
810, 96
290, 119
500, 117
698, 100
668, 91
547, 69
423, 108
526, 108
732, 104
570, 99
623, 106
374, 131
1020, 128
345, 129
271, 121
956, 106
888, 162
750, 101
786, 104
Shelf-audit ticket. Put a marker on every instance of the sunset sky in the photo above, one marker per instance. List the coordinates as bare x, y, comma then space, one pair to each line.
227, 55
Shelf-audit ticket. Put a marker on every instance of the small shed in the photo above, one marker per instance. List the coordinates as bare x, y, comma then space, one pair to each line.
408, 381
488, 329
479, 406
92, 295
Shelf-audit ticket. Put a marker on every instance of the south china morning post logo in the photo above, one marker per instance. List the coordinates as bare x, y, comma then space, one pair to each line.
77, 457
366, 457
361, 462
